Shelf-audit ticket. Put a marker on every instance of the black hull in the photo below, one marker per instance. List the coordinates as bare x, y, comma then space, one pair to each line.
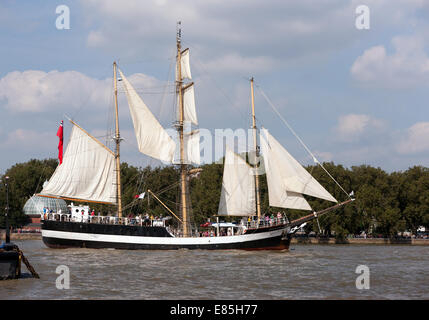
105, 229
277, 243
156, 234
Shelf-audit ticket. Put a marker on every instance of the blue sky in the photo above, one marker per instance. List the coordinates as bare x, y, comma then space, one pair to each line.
354, 96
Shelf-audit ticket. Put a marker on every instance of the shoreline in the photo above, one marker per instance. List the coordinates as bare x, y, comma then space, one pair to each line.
300, 240
374, 241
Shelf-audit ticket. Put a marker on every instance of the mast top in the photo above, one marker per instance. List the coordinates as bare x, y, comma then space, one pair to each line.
179, 31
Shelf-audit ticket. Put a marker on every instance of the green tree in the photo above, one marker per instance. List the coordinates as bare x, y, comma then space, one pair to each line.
414, 197
25, 179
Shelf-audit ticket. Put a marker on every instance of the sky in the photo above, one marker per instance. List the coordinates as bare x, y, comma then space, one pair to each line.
354, 96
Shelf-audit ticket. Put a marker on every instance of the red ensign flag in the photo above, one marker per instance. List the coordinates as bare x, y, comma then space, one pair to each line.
60, 144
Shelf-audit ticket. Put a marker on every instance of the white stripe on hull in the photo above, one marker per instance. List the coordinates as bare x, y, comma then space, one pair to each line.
160, 240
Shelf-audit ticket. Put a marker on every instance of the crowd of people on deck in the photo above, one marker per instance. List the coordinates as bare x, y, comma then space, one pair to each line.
270, 219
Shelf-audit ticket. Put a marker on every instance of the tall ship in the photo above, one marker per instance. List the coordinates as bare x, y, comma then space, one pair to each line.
90, 173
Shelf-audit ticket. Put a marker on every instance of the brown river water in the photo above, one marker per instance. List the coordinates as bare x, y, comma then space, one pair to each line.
304, 272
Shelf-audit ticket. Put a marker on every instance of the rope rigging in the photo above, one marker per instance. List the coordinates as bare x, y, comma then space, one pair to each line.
300, 140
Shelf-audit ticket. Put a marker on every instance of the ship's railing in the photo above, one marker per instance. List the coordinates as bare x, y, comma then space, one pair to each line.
197, 233
238, 229
266, 222
137, 221
141, 221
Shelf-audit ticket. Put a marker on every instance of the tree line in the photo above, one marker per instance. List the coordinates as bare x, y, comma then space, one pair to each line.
386, 203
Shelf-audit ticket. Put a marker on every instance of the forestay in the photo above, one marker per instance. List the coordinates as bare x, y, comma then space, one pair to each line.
152, 139
287, 179
87, 171
238, 187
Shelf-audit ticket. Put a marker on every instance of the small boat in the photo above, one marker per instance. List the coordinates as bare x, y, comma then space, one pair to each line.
10, 261
10, 256
89, 172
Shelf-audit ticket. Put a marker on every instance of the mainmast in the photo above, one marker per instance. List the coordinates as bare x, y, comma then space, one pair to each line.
117, 139
183, 166
255, 143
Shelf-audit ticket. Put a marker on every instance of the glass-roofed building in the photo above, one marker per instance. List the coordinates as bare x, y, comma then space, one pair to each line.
34, 206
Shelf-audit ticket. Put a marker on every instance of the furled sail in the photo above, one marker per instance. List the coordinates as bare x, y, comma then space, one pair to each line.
287, 179
238, 187
87, 171
189, 111
152, 139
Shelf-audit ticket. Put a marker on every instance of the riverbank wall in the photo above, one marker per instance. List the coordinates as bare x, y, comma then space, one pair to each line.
21, 236
362, 241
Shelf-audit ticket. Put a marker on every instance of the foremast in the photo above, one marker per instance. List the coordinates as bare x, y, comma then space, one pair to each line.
256, 157
180, 128
117, 139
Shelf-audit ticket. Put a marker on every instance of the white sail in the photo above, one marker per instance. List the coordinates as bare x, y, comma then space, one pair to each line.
152, 139
238, 187
277, 193
189, 111
192, 146
185, 67
286, 177
86, 173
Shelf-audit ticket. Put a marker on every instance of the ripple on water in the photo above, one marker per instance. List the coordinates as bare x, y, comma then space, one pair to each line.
306, 272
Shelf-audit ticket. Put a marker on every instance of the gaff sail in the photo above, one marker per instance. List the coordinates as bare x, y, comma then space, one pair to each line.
86, 173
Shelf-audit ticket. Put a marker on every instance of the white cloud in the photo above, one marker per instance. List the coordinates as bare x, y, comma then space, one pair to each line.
352, 127
281, 29
29, 139
407, 66
39, 91
242, 31
415, 140
36, 91
233, 62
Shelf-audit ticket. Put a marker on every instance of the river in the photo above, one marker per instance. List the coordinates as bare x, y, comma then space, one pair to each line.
304, 272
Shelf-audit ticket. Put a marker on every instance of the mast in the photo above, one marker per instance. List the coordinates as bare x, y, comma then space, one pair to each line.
255, 143
7, 240
117, 139
183, 166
